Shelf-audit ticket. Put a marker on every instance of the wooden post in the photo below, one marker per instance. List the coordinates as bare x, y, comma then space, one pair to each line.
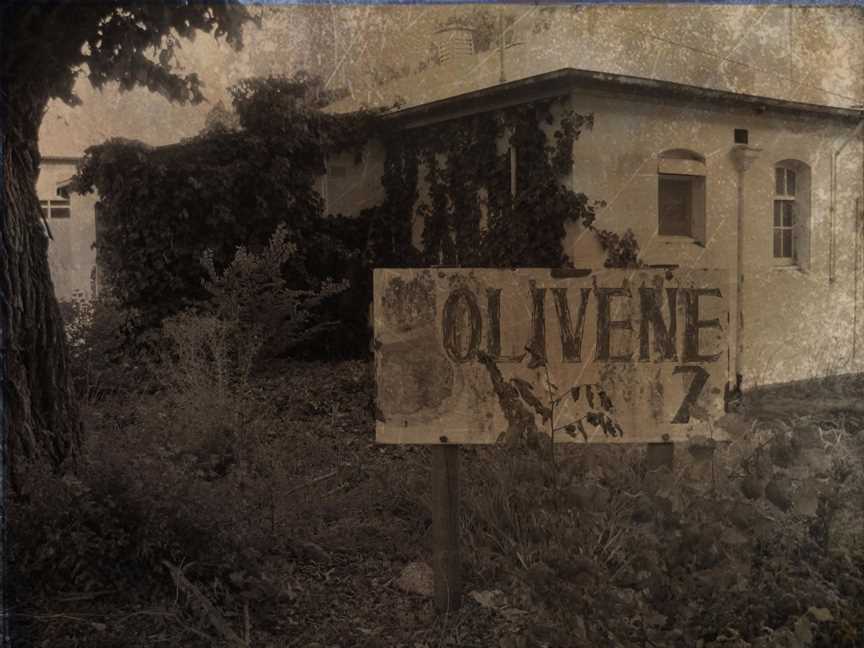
660, 455
445, 527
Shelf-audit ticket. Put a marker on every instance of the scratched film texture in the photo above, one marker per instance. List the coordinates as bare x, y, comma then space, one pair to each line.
795, 323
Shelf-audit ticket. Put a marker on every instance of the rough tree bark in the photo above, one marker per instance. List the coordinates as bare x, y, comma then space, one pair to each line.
40, 408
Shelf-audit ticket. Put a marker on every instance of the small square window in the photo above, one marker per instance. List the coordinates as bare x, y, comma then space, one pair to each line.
676, 205
680, 205
60, 212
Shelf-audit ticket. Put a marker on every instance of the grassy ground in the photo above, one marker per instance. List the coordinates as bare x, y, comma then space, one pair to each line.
296, 533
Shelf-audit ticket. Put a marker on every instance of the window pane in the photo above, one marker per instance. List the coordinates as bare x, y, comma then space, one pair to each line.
60, 212
675, 206
790, 182
778, 206
788, 213
787, 243
778, 251
779, 181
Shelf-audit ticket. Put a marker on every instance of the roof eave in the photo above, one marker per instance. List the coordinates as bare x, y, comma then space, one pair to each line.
566, 79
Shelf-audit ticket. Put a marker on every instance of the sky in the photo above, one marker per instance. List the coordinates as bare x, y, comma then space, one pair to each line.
805, 54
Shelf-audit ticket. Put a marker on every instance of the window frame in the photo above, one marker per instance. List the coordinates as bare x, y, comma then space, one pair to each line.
61, 204
684, 166
795, 204
678, 179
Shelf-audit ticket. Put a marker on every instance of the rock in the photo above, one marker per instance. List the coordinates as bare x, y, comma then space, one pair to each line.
751, 487
417, 578
778, 493
487, 599
803, 632
821, 615
783, 451
807, 499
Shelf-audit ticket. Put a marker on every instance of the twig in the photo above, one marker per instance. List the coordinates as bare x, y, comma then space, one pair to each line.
213, 615
320, 478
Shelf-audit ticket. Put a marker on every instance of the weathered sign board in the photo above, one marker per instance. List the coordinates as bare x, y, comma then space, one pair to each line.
467, 356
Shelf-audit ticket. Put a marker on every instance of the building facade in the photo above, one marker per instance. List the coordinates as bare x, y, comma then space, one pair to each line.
70, 224
768, 190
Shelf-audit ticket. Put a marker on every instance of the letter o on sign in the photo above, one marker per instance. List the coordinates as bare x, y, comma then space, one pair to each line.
462, 325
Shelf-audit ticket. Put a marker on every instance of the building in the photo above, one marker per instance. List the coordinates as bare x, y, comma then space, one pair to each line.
70, 224
724, 137
768, 189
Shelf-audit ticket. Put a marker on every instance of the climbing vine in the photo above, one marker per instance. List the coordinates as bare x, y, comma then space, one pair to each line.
458, 179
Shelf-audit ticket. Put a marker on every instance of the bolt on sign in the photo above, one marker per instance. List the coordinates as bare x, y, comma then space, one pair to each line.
612, 356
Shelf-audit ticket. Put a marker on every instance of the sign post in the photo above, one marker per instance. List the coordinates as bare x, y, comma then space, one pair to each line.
445, 528
477, 356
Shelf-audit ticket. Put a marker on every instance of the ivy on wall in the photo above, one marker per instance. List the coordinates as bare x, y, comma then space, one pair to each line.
472, 216
161, 208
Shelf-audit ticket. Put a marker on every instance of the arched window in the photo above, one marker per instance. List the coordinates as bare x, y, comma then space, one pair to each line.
790, 225
681, 194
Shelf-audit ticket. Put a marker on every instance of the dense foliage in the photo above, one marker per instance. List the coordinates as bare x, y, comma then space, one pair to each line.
243, 176
160, 208
45, 49
472, 214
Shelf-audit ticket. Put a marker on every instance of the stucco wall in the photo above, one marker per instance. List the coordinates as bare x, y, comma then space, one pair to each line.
359, 188
797, 323
71, 255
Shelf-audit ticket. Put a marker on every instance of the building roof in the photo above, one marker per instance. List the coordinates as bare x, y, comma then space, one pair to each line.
60, 159
563, 80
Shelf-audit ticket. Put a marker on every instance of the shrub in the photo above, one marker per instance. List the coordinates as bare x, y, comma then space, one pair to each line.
97, 331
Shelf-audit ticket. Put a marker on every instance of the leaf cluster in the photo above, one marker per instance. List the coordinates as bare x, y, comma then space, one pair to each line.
46, 46
472, 215
161, 208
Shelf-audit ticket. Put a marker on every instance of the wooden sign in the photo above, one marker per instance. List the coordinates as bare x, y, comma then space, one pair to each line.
612, 356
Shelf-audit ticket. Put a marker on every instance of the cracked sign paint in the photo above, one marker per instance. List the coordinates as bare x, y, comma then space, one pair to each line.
613, 356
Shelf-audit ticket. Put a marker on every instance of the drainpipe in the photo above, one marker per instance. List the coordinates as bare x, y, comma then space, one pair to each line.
859, 231
832, 242
743, 157
502, 77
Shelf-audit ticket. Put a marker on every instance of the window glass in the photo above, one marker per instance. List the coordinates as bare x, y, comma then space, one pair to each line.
675, 206
790, 182
790, 217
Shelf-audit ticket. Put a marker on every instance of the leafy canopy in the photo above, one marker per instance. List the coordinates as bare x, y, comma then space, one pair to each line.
46, 46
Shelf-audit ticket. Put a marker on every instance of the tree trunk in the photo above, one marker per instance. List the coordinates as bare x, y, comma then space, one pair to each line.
40, 408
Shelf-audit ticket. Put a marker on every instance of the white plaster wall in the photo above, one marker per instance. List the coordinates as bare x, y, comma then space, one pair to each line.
71, 256
797, 323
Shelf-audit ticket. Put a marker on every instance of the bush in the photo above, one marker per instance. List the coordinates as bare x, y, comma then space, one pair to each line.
97, 332
607, 553
161, 207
